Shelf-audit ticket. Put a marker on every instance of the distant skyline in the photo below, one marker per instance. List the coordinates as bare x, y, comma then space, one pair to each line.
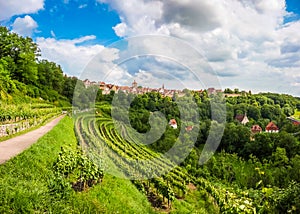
250, 44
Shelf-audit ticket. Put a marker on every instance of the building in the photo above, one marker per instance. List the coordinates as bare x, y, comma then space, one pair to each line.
294, 121
189, 128
211, 91
134, 84
242, 118
87, 83
135, 89
256, 129
173, 123
272, 128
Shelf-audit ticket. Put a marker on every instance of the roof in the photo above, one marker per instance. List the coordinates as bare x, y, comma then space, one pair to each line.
124, 87
172, 122
189, 128
256, 129
294, 120
271, 126
240, 117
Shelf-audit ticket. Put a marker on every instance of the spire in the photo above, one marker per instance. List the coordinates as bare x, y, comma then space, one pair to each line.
134, 84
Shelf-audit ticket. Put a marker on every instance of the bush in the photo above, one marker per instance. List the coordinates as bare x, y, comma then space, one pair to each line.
75, 167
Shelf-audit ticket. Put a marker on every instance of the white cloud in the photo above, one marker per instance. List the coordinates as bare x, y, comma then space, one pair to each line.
82, 6
52, 33
246, 41
121, 29
9, 8
72, 57
94, 62
24, 26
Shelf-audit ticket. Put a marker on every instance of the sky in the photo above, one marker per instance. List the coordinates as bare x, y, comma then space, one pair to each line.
246, 44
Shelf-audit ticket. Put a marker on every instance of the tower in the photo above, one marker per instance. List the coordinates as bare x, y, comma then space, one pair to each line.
134, 84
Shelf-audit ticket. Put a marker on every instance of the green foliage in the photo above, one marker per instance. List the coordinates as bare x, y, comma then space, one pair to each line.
29, 185
288, 200
22, 74
59, 187
238, 185
74, 166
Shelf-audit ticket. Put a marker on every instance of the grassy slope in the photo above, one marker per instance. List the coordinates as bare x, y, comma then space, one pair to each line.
297, 114
24, 183
196, 201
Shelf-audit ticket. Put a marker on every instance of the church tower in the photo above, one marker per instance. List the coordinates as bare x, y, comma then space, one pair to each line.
134, 84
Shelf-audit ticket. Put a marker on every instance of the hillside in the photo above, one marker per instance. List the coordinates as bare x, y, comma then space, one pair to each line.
24, 75
26, 182
119, 155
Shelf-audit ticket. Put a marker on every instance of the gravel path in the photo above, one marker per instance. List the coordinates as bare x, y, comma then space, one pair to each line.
17, 145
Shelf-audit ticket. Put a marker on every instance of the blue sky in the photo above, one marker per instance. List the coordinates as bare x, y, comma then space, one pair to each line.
77, 19
249, 44
294, 7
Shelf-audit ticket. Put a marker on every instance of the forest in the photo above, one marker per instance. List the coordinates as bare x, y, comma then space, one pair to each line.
24, 74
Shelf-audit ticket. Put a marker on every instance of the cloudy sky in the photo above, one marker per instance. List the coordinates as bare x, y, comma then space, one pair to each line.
249, 44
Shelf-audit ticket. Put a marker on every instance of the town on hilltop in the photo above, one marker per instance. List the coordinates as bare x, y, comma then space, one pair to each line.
135, 89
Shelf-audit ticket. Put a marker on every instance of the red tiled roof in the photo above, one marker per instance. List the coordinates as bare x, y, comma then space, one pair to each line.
271, 126
256, 129
189, 128
172, 122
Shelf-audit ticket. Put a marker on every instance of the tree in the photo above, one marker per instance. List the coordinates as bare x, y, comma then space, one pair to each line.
236, 91
253, 112
21, 54
50, 75
279, 157
288, 110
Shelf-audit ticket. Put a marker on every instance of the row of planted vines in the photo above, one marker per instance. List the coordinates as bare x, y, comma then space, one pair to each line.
124, 155
16, 118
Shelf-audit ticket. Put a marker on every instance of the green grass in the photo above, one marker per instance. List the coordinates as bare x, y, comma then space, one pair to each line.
120, 196
24, 183
297, 114
196, 201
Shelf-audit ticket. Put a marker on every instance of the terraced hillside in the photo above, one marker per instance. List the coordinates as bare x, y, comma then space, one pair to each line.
155, 175
18, 118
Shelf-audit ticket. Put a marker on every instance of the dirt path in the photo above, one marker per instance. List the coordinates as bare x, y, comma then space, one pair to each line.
16, 145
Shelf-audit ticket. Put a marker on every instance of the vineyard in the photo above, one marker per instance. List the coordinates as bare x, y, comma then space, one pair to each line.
17, 118
154, 175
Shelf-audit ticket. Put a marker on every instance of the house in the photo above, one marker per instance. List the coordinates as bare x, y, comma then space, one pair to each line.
294, 121
211, 91
272, 128
256, 129
86, 83
125, 89
102, 85
242, 118
189, 128
173, 123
